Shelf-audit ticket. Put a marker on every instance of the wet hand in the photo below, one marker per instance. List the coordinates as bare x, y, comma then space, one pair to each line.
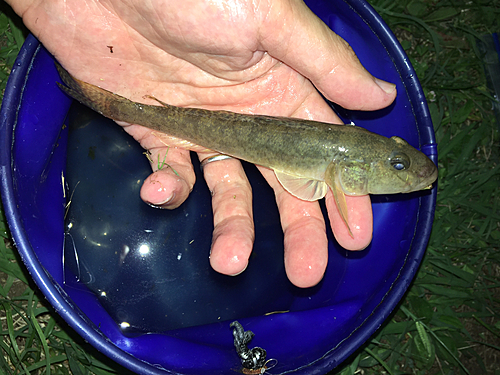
237, 55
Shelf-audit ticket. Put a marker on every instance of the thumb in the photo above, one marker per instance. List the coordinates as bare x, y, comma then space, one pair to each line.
293, 34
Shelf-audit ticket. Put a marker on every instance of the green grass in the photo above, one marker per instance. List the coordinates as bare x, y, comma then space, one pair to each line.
33, 338
449, 320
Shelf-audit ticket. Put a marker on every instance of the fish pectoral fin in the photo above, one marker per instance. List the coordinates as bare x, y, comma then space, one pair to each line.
302, 187
332, 179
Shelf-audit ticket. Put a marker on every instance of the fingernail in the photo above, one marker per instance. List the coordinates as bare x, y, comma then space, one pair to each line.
162, 204
240, 272
386, 86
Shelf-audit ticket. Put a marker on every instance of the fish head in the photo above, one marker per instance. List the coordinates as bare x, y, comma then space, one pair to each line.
400, 168
383, 166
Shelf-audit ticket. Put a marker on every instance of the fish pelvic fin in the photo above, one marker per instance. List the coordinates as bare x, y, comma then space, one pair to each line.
302, 187
332, 179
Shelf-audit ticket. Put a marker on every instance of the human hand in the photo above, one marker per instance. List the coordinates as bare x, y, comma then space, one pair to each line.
235, 55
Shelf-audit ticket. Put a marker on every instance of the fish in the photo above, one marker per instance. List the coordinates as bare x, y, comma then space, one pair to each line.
308, 157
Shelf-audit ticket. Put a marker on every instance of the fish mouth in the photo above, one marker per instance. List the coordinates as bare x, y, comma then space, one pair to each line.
428, 173
424, 185
427, 177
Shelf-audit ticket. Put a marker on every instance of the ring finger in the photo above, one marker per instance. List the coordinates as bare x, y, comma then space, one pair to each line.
233, 234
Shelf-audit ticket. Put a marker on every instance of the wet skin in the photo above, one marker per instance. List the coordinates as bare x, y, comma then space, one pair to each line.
185, 53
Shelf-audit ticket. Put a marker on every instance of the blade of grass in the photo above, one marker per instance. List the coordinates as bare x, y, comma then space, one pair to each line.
487, 326
410, 315
384, 365
11, 330
17, 33
43, 342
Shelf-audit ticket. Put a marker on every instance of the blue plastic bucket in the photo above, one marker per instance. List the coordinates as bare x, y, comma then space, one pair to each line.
323, 325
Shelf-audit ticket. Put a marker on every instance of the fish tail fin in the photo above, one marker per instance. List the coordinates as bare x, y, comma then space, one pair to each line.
96, 98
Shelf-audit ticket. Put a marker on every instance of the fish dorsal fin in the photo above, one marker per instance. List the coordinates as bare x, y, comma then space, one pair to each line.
303, 188
332, 179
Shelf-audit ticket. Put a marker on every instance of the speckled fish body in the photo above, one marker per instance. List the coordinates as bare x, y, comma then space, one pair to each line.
306, 156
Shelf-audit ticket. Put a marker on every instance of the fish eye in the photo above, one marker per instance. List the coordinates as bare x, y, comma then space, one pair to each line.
399, 162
